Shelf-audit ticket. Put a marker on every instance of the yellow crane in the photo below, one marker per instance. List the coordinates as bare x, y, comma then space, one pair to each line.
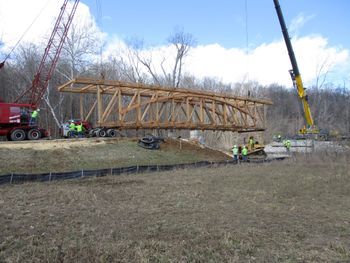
309, 127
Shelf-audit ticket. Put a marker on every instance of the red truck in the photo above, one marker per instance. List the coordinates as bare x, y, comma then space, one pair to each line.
14, 123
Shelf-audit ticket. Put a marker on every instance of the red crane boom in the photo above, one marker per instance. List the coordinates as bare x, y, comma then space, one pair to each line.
34, 94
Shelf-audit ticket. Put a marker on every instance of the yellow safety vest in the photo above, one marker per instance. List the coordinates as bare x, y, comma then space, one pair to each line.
34, 114
235, 150
72, 126
79, 127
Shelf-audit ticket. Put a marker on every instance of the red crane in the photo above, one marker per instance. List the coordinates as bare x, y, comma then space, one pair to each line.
14, 117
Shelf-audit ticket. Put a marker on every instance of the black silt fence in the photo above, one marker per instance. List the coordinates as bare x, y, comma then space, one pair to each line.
46, 177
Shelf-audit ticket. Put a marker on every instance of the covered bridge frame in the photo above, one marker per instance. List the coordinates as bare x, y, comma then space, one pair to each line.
125, 105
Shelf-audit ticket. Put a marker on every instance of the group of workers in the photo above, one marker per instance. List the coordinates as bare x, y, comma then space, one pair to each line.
250, 147
76, 129
286, 143
244, 150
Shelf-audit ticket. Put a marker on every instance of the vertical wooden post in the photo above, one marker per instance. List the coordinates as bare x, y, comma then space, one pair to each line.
188, 110
157, 110
201, 113
213, 112
138, 109
120, 106
81, 107
224, 112
99, 105
172, 113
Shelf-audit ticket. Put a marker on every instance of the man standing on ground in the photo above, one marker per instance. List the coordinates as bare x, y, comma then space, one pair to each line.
235, 153
288, 145
80, 130
71, 129
244, 154
251, 143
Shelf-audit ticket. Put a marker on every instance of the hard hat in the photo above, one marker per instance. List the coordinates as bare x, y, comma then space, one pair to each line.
235, 146
38, 109
244, 146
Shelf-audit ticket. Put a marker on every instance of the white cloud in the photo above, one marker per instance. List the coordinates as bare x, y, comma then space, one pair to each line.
267, 63
298, 22
17, 16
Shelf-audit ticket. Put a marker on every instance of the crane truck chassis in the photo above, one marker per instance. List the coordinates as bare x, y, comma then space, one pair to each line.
14, 123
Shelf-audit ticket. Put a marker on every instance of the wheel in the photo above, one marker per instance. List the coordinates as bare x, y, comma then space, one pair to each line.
92, 133
18, 135
102, 133
111, 133
96, 132
34, 134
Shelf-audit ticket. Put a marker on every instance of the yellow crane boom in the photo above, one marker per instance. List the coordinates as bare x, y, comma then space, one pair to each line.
296, 77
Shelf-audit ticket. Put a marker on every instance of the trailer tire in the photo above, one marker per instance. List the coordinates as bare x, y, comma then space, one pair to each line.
102, 133
111, 133
96, 132
18, 135
34, 134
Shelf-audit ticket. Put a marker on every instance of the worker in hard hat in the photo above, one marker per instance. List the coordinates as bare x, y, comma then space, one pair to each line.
251, 143
287, 144
34, 117
72, 129
79, 128
235, 153
244, 154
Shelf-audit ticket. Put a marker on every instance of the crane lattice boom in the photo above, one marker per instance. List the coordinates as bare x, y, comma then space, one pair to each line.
34, 94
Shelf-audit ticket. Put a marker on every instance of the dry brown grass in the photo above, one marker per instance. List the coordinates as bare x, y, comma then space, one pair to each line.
291, 211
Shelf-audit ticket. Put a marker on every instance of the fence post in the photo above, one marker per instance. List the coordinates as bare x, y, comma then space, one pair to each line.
50, 177
11, 178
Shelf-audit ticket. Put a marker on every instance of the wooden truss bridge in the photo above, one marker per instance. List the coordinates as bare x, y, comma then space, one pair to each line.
125, 105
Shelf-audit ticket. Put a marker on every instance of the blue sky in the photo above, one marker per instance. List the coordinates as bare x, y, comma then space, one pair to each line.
319, 30
223, 21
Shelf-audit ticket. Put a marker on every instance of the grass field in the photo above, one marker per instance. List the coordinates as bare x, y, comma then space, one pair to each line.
291, 211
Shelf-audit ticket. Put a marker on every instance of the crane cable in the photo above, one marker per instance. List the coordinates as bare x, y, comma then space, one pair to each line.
22, 36
247, 41
99, 22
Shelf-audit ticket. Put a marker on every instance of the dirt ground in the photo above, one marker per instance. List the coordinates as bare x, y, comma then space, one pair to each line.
291, 211
95, 153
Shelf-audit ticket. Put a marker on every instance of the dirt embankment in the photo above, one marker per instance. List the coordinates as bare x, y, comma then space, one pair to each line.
95, 153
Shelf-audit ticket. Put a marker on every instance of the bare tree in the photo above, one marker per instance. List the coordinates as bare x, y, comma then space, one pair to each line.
182, 42
82, 45
159, 69
322, 71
